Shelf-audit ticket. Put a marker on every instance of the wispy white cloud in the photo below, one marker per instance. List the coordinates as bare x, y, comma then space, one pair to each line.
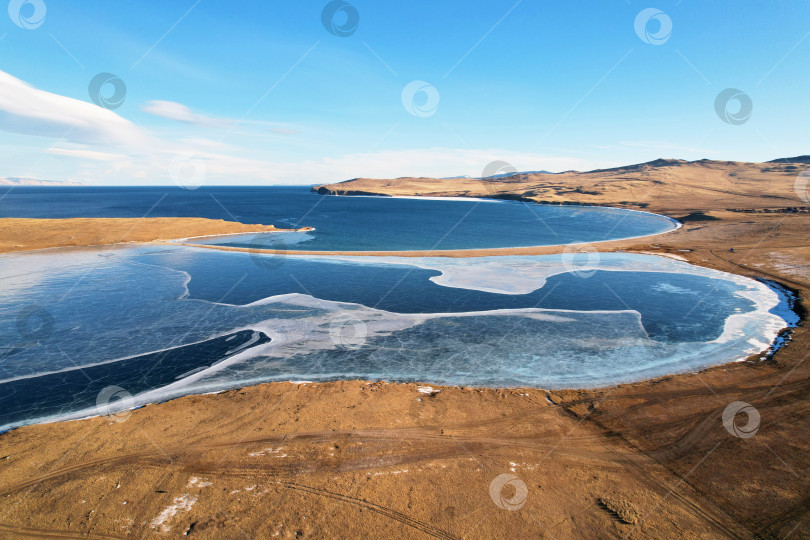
223, 167
30, 111
171, 110
283, 131
431, 162
656, 145
82, 153
100, 146
178, 112
663, 145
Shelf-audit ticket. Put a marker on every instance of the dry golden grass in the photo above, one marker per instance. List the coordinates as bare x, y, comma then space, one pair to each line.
660, 186
23, 234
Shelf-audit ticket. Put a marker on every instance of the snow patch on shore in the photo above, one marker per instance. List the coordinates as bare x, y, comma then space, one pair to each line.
182, 503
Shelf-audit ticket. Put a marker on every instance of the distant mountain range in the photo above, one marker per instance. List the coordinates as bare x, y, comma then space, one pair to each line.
502, 175
661, 162
797, 159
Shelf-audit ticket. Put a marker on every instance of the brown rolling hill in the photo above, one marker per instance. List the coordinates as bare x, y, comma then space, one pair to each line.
664, 185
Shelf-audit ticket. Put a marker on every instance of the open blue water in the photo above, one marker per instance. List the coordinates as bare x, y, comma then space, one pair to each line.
345, 223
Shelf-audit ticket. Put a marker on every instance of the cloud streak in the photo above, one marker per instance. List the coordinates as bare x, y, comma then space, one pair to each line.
97, 144
178, 112
171, 110
30, 111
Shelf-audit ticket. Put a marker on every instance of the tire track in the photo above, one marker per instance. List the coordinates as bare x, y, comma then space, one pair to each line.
382, 510
52, 533
779, 278
145, 457
436, 446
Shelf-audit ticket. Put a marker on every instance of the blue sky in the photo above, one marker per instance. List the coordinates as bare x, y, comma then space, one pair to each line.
260, 92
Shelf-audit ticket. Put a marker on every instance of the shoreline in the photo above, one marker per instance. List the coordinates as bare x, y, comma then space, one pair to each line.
18, 235
484, 198
780, 339
299, 447
614, 246
145, 400
794, 304
225, 235
12, 226
461, 252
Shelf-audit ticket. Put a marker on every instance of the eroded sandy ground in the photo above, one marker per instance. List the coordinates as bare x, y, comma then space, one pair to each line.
344, 460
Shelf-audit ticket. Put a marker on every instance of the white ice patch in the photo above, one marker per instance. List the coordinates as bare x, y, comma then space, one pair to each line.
526, 274
275, 452
198, 482
182, 503
665, 287
385, 473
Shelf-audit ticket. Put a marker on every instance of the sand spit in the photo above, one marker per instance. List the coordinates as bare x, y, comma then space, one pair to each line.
26, 234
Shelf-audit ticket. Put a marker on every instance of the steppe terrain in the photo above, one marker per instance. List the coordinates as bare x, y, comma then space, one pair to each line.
356, 459
663, 185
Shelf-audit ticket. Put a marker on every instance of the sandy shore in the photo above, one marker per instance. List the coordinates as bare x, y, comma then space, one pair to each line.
350, 459
24, 234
